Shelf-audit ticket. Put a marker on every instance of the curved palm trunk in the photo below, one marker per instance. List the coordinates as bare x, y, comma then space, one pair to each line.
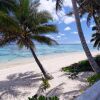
92, 62
40, 65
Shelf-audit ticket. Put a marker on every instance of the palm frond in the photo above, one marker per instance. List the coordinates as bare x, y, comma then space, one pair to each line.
45, 29
26, 25
6, 40
96, 40
44, 16
89, 17
59, 4
44, 40
7, 5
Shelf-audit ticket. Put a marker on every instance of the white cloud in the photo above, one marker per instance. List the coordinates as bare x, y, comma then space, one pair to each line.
83, 19
62, 34
52, 37
68, 3
47, 35
68, 20
75, 33
92, 25
48, 5
58, 36
77, 42
67, 28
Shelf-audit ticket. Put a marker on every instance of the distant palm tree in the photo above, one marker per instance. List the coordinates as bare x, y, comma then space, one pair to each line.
92, 62
25, 25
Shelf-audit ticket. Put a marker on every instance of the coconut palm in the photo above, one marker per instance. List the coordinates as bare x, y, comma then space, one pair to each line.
91, 8
7, 5
92, 62
25, 26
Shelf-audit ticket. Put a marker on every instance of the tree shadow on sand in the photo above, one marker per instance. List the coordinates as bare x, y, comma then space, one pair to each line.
59, 92
19, 80
56, 91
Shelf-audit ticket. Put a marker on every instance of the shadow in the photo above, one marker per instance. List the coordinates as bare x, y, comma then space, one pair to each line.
57, 91
71, 95
84, 75
17, 81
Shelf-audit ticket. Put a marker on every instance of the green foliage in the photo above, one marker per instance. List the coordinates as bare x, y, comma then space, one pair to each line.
45, 84
43, 98
96, 37
6, 5
93, 79
26, 24
81, 66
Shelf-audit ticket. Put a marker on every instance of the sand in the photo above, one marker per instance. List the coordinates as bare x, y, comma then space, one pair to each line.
21, 78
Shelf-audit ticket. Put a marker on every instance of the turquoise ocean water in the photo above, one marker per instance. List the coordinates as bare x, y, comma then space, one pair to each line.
12, 52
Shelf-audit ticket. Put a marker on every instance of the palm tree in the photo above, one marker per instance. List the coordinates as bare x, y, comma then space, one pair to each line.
92, 62
7, 5
24, 26
92, 8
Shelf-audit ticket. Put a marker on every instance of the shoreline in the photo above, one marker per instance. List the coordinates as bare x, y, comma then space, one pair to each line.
23, 77
28, 60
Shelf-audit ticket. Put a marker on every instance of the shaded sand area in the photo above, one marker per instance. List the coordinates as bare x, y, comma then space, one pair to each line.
20, 79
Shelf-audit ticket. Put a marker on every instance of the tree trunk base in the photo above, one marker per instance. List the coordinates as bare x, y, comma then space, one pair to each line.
49, 77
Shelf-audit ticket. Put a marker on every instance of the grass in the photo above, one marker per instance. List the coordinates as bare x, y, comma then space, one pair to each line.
81, 66
93, 79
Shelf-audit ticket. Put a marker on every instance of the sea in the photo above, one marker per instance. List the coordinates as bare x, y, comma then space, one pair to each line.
12, 52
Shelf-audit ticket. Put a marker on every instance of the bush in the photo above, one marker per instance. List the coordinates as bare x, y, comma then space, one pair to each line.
43, 98
93, 79
45, 84
81, 66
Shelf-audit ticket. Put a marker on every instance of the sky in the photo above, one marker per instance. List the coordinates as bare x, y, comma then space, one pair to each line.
67, 31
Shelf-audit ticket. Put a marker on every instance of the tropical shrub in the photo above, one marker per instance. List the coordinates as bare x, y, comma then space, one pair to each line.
81, 66
45, 84
93, 79
43, 98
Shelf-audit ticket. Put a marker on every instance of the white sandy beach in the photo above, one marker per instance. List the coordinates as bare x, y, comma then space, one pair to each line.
21, 78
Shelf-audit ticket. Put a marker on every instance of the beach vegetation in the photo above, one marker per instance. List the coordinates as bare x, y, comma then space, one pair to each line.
92, 62
81, 66
25, 26
93, 79
45, 83
43, 98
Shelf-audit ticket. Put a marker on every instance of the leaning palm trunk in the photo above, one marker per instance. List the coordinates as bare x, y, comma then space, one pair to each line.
92, 62
47, 76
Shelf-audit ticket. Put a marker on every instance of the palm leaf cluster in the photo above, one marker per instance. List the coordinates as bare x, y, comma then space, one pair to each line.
92, 9
96, 37
7, 5
25, 24
89, 7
